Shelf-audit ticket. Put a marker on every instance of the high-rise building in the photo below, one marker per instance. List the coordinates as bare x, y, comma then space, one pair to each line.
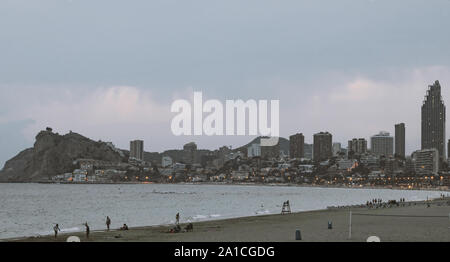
426, 161
336, 148
400, 140
137, 150
448, 148
297, 146
433, 120
382, 144
358, 146
322, 146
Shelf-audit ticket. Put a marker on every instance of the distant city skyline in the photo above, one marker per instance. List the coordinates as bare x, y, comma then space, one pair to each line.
349, 67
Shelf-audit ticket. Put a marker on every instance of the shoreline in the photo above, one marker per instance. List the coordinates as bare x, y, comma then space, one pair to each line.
443, 189
254, 228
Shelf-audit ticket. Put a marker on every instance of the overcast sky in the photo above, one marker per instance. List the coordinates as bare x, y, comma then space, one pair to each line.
111, 69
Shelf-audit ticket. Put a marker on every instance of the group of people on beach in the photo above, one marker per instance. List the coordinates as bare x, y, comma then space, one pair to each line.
176, 229
56, 228
378, 203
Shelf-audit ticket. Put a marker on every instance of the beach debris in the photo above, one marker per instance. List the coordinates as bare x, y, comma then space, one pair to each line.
298, 235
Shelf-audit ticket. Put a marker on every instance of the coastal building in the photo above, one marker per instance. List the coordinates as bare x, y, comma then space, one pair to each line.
269, 152
409, 164
370, 160
166, 161
86, 164
254, 150
79, 175
137, 150
426, 161
179, 166
336, 148
306, 168
322, 146
400, 140
348, 165
382, 144
357, 146
308, 151
433, 120
392, 165
297, 146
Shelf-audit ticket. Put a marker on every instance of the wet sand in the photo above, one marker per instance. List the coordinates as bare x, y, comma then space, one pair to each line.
411, 222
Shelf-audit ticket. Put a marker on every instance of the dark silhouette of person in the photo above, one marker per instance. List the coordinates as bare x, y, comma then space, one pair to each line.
177, 217
108, 222
88, 230
56, 229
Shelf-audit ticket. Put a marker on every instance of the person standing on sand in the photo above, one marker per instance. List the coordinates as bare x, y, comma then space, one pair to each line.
108, 223
87, 230
177, 217
56, 229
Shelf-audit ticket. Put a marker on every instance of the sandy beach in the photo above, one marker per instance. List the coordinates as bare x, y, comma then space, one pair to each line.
414, 221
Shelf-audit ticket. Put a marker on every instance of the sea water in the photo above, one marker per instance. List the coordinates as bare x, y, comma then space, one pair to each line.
33, 209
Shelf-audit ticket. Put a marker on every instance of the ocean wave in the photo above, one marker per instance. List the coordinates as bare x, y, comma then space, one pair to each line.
203, 217
63, 230
173, 193
262, 212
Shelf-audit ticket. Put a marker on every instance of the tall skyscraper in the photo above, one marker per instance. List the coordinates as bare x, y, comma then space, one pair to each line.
433, 120
137, 150
358, 146
382, 144
322, 146
400, 140
448, 148
297, 146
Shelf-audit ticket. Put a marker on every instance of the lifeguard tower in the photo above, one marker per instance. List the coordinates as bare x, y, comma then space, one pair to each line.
286, 208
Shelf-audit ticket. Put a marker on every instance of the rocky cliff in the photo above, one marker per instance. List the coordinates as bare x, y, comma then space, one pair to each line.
54, 154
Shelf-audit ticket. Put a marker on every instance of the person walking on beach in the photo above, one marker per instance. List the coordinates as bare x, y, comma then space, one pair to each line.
177, 217
88, 230
108, 222
56, 229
